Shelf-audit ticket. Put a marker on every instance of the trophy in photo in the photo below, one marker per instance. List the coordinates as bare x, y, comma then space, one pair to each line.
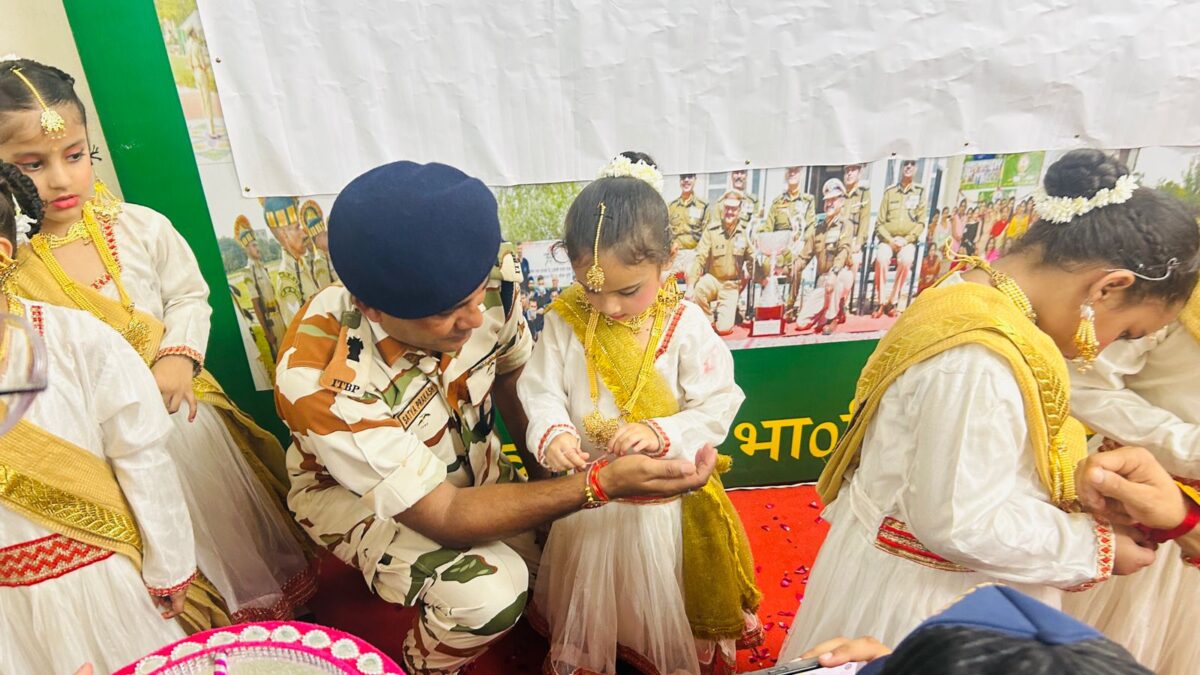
768, 306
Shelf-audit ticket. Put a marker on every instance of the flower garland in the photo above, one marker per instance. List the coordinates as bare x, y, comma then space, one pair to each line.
623, 166
1065, 209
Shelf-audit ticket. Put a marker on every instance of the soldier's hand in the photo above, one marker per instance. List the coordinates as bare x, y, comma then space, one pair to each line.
1129, 485
563, 454
634, 438
642, 476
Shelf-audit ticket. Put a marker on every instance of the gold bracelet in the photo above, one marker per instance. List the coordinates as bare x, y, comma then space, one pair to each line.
591, 501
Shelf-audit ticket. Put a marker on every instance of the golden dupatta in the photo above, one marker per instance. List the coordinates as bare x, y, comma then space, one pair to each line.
1190, 316
72, 492
968, 313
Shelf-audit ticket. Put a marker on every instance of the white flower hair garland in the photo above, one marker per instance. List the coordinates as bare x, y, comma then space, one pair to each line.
24, 225
1065, 209
623, 166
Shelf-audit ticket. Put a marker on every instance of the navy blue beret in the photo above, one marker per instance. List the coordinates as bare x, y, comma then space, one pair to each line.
414, 240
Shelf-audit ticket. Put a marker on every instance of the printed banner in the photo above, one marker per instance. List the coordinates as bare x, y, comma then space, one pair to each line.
543, 91
826, 256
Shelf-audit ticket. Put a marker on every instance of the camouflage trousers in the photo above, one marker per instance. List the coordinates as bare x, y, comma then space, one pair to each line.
467, 599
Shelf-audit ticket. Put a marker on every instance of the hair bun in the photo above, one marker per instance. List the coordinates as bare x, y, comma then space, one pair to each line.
1083, 173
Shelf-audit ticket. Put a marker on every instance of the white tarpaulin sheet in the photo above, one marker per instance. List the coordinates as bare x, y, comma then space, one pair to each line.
315, 92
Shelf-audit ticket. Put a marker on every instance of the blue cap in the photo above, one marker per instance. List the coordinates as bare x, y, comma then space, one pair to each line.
413, 240
1007, 611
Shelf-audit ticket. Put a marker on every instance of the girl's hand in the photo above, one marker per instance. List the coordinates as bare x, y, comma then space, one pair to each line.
173, 373
564, 454
171, 606
634, 438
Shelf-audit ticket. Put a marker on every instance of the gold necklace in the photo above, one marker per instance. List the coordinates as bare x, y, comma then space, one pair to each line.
135, 331
599, 428
1001, 282
74, 233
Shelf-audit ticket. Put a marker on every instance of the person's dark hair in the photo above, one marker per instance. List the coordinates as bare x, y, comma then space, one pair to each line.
55, 86
963, 650
635, 157
18, 186
1152, 234
636, 224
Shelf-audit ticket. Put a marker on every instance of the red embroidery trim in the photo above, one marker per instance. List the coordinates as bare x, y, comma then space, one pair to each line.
664, 442
32, 562
894, 537
164, 592
181, 351
297, 591
110, 239
102, 281
666, 341
36, 316
542, 443
1105, 555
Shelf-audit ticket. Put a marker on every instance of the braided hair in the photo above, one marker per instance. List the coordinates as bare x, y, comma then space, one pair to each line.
968, 650
15, 185
55, 86
1151, 234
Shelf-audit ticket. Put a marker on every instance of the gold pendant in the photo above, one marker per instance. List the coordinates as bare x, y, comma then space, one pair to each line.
137, 334
599, 429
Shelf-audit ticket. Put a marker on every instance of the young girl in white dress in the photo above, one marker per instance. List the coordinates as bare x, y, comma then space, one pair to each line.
1144, 393
958, 466
127, 265
71, 592
624, 365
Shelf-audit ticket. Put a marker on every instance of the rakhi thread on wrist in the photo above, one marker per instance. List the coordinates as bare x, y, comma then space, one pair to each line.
1190, 521
593, 488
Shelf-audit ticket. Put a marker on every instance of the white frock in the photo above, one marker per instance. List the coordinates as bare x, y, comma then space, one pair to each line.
947, 459
99, 612
613, 575
244, 540
1147, 393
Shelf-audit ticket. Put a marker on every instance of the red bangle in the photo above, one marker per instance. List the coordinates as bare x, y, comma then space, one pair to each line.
1189, 523
593, 479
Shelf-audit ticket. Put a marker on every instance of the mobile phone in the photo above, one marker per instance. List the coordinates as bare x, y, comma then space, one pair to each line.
801, 666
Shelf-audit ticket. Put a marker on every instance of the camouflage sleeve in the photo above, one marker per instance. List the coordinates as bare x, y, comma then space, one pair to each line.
354, 437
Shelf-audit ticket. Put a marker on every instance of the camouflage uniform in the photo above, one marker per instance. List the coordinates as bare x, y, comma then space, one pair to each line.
366, 449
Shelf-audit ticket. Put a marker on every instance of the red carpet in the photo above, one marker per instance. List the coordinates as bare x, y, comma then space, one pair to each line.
785, 532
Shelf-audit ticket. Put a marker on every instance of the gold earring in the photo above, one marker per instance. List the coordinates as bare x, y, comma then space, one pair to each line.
1087, 345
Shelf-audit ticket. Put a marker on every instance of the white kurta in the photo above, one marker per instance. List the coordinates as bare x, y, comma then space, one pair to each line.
947, 454
613, 575
100, 613
1147, 393
244, 541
